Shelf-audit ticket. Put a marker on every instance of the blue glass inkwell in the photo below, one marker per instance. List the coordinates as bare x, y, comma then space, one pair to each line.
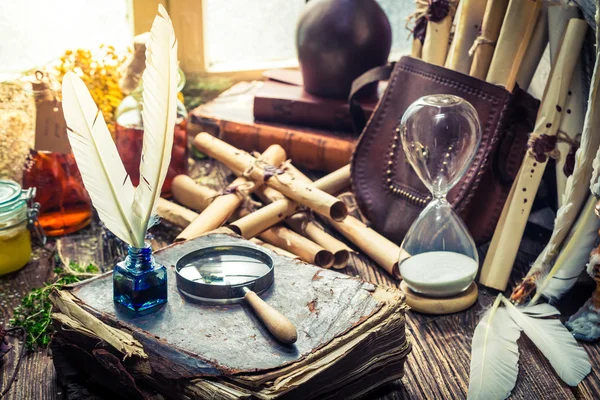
139, 282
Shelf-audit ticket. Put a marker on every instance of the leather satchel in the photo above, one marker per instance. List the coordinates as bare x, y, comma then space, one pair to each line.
387, 189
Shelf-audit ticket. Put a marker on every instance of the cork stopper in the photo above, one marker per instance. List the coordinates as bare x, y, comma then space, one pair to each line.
135, 65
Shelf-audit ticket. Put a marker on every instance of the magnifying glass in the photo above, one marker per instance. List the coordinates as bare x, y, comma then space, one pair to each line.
231, 274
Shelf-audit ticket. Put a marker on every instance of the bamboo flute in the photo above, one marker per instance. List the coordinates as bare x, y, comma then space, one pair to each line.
437, 37
468, 25
509, 231
513, 40
304, 248
275, 249
535, 50
174, 213
224, 205
485, 44
187, 192
380, 249
243, 163
571, 124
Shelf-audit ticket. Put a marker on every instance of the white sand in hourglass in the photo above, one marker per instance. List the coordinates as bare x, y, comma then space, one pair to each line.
439, 273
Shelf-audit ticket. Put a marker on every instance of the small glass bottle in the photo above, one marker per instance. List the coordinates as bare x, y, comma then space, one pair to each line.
129, 131
15, 219
139, 282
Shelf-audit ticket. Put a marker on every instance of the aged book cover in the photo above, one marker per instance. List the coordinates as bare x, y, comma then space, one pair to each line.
351, 337
230, 117
282, 99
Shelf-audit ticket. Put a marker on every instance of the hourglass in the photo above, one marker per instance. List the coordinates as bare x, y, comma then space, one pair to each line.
440, 136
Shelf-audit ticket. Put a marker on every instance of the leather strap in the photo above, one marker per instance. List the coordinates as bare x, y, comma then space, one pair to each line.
380, 73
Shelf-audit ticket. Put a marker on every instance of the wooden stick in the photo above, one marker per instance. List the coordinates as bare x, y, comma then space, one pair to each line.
467, 28
174, 213
509, 231
483, 48
535, 50
517, 28
297, 244
380, 249
275, 249
571, 123
244, 164
224, 206
187, 192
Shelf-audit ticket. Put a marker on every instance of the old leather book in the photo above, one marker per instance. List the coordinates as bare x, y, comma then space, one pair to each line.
230, 117
282, 99
351, 337
389, 192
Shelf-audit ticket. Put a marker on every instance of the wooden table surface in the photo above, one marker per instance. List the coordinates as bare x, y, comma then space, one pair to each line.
437, 368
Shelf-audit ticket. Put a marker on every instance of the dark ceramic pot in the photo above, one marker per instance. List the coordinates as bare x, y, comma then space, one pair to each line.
338, 40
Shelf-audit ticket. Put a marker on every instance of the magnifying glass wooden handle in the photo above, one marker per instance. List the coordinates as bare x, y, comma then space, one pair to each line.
281, 327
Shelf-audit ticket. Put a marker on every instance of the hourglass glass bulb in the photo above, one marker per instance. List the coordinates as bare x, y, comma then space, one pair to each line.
440, 136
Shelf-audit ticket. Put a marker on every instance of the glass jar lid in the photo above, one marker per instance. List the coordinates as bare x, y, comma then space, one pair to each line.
11, 196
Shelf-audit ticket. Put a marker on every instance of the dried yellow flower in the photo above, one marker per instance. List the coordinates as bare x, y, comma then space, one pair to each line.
100, 71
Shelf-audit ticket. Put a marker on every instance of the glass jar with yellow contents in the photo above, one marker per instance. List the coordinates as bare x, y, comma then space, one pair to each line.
16, 216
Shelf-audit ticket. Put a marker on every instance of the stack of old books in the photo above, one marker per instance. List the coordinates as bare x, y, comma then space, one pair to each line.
351, 338
316, 133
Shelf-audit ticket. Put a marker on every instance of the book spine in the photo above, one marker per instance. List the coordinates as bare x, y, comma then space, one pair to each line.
306, 149
303, 114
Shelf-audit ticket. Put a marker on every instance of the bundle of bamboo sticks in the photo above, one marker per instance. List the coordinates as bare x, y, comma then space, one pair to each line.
282, 215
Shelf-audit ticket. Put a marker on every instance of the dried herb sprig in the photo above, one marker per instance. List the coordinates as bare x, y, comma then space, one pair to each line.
34, 313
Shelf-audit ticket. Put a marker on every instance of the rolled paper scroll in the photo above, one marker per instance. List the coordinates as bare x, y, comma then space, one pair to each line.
380, 249
485, 44
437, 35
417, 48
187, 192
174, 213
244, 164
571, 125
304, 248
514, 38
224, 205
418, 31
535, 50
275, 249
262, 219
509, 231
469, 23
280, 208
302, 224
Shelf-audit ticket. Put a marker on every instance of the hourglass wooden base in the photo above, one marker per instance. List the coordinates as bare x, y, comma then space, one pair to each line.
439, 306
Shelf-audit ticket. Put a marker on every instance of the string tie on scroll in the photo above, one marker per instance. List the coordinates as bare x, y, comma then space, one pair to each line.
428, 10
235, 189
268, 169
481, 40
543, 146
574, 143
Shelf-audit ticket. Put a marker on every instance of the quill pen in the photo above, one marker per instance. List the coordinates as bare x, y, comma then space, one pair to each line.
127, 212
159, 98
494, 352
102, 170
494, 355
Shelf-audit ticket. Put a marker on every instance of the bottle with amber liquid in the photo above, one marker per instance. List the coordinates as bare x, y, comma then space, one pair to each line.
65, 206
129, 133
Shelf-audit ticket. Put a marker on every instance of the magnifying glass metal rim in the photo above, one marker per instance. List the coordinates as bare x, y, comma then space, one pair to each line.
224, 294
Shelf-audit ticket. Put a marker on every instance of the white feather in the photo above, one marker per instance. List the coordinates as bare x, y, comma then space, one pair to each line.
540, 310
556, 343
159, 114
101, 167
494, 355
573, 256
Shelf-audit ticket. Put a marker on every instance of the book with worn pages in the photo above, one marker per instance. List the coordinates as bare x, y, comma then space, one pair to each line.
230, 117
351, 337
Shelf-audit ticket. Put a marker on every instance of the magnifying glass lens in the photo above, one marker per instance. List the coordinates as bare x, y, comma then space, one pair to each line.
226, 269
